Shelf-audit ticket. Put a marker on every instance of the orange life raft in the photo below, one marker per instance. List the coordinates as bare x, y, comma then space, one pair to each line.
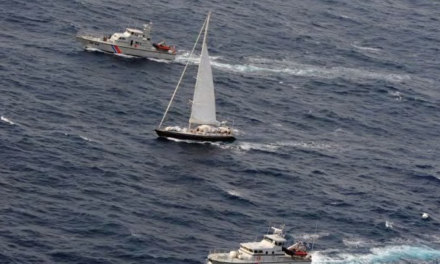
161, 47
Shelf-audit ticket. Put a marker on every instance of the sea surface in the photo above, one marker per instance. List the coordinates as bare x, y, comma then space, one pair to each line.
335, 105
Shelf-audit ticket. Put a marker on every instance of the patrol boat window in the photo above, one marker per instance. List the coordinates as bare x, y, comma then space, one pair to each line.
268, 239
247, 249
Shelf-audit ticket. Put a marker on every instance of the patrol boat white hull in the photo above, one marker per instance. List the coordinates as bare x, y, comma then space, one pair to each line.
224, 258
132, 42
106, 46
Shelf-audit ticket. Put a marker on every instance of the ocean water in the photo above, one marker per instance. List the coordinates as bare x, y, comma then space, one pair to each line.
335, 104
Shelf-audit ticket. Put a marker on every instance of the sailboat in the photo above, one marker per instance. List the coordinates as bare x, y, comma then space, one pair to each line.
203, 124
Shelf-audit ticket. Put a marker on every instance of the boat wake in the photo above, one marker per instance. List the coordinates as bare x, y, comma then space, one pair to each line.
274, 147
269, 67
269, 147
194, 59
4, 119
388, 254
93, 50
247, 146
160, 60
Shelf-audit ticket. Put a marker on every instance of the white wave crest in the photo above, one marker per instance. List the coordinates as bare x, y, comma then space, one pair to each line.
397, 95
234, 193
135, 233
369, 49
4, 119
389, 225
86, 138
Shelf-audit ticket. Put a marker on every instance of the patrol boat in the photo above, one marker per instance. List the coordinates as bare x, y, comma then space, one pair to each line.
269, 250
133, 42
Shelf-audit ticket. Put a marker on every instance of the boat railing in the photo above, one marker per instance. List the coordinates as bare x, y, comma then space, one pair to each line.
219, 251
92, 35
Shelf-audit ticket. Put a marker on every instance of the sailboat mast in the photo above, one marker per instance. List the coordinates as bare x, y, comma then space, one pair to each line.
203, 45
206, 29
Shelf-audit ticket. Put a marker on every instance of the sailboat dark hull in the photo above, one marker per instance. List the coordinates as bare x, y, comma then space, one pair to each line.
195, 137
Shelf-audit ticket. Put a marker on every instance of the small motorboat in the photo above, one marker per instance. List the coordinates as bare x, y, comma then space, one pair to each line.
269, 250
162, 47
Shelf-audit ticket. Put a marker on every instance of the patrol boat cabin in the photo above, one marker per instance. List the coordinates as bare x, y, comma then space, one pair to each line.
131, 37
270, 245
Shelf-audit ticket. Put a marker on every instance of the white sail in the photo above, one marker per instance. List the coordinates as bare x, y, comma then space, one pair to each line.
203, 106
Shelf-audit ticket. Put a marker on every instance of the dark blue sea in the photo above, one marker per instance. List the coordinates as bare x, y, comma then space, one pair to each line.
335, 104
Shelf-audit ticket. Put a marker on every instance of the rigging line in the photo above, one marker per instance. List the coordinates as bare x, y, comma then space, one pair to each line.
206, 28
183, 73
